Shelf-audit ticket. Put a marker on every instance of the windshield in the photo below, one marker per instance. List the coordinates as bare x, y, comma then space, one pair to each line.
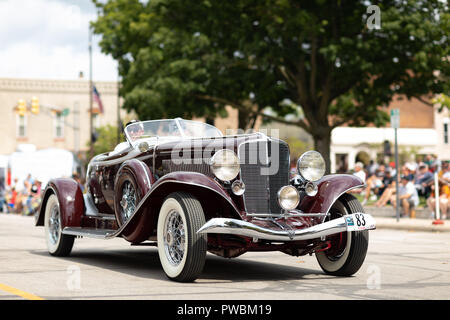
170, 128
196, 129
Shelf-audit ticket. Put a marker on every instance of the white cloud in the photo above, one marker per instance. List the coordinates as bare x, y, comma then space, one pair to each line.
49, 39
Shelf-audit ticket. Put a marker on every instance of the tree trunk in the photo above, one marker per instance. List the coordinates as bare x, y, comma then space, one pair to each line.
210, 120
322, 144
244, 120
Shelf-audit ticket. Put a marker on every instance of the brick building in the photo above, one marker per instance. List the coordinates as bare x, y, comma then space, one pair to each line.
423, 130
63, 120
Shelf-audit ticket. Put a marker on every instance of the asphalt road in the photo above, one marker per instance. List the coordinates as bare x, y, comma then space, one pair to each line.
399, 265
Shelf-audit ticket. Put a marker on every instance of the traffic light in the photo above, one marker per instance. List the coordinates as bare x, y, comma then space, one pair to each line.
21, 107
387, 148
35, 105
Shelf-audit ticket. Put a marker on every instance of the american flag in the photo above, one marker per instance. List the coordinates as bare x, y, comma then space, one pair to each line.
97, 99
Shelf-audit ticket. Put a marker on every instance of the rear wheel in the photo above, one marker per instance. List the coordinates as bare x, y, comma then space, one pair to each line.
348, 249
182, 251
58, 244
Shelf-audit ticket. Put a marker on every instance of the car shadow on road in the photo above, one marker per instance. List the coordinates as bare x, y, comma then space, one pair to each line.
144, 263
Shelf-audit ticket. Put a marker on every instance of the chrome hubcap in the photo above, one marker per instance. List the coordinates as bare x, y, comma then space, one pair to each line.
174, 237
128, 202
54, 225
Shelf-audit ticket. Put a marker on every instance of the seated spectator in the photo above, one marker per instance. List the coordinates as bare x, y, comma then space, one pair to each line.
444, 174
372, 168
374, 182
428, 160
388, 192
412, 166
359, 172
408, 172
386, 181
423, 181
34, 199
408, 197
390, 184
444, 198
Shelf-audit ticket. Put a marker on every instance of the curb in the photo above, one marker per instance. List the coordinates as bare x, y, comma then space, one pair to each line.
385, 219
426, 225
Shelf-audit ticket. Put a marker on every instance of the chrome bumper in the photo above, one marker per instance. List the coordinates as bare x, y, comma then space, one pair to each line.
353, 222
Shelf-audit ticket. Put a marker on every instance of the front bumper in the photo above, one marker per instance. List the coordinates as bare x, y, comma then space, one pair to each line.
349, 223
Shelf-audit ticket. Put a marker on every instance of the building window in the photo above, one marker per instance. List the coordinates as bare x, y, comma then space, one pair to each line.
59, 125
21, 122
446, 133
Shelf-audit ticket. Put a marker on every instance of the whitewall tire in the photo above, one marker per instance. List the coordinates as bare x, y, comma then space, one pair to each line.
58, 244
182, 252
348, 250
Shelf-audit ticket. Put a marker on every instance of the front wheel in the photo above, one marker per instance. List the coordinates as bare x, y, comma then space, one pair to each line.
348, 249
58, 244
182, 251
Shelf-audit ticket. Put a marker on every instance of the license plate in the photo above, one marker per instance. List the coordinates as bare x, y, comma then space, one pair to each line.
359, 221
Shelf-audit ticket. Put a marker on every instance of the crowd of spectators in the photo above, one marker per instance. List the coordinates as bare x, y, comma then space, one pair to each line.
23, 198
416, 182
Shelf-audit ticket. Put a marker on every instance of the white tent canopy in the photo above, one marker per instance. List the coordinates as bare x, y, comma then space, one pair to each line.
43, 165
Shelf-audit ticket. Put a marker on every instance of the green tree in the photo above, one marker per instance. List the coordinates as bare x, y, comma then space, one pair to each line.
106, 139
194, 57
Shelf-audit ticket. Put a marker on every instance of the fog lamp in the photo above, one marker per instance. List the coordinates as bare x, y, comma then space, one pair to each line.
311, 189
288, 197
238, 187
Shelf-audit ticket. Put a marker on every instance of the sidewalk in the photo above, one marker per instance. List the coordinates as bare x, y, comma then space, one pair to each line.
385, 219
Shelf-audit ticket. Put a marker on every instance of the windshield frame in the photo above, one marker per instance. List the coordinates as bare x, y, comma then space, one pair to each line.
180, 130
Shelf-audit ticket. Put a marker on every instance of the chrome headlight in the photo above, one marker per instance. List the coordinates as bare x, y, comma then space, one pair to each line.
311, 166
288, 197
225, 165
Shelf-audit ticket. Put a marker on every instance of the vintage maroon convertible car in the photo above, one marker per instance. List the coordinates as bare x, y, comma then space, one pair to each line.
184, 187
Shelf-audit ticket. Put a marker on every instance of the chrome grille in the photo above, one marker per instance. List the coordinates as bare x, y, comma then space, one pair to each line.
281, 176
262, 182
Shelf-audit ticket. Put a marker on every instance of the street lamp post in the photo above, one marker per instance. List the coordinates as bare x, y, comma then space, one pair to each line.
91, 122
395, 123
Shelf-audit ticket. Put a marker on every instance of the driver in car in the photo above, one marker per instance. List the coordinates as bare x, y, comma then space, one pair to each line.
136, 130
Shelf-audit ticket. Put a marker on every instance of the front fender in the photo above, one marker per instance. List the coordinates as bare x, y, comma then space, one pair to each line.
143, 222
330, 188
71, 202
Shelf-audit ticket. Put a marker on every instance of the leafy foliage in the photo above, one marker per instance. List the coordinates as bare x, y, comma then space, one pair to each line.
193, 57
106, 139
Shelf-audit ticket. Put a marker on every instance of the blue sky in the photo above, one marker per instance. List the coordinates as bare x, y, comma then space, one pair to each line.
48, 39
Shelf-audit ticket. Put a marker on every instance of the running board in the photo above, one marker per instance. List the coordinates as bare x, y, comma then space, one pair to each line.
89, 232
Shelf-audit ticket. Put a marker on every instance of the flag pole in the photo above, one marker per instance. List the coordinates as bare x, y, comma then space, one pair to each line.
119, 131
91, 122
